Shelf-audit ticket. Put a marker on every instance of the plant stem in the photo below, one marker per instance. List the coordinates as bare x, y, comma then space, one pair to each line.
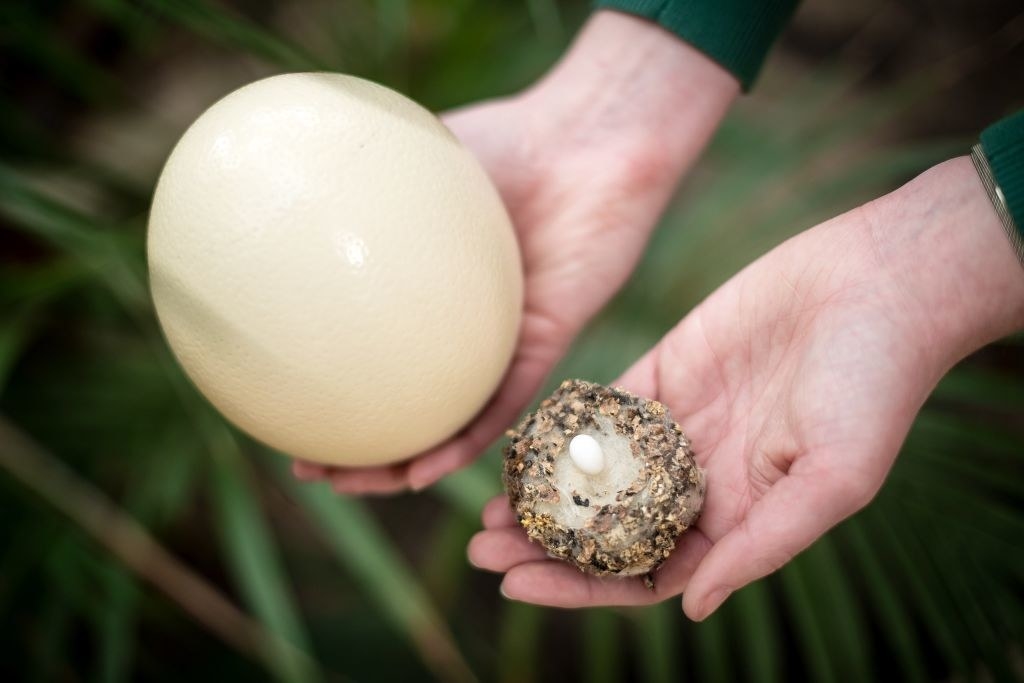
100, 517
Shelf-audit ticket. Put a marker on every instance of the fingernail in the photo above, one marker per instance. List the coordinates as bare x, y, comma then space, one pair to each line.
712, 602
501, 589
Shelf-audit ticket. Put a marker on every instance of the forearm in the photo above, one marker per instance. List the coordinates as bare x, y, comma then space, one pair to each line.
953, 268
629, 84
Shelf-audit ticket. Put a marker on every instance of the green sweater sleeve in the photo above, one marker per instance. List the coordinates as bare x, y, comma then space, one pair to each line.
1003, 143
735, 33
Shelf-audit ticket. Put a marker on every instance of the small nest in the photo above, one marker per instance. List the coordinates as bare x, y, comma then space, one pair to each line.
624, 521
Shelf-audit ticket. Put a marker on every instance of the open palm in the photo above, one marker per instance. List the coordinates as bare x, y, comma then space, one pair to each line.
797, 383
582, 212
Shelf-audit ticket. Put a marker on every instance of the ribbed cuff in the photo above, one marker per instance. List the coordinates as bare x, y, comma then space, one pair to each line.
1003, 143
735, 33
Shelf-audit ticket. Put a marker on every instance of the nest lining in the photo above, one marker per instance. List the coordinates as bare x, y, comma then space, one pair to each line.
624, 521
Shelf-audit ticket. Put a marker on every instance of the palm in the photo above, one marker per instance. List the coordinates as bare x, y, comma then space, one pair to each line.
579, 241
793, 384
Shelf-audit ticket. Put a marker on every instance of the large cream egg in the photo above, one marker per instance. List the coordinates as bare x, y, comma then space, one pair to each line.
333, 269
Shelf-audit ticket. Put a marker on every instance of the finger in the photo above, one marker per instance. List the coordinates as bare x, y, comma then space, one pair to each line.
797, 510
641, 378
557, 584
524, 377
309, 471
498, 550
426, 469
674, 576
498, 513
359, 481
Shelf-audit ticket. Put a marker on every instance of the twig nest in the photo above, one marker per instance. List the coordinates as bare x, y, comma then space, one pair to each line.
603, 479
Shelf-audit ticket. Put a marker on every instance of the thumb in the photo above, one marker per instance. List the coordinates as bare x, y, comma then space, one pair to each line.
795, 512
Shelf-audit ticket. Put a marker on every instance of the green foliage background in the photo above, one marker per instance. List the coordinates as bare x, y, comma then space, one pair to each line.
146, 539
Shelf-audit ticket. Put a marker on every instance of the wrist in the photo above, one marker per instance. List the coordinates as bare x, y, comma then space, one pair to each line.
941, 243
628, 83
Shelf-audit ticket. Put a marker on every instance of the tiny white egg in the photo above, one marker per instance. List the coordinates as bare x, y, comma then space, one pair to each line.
586, 454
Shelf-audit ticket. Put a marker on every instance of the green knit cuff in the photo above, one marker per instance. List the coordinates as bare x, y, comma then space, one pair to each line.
735, 33
1003, 143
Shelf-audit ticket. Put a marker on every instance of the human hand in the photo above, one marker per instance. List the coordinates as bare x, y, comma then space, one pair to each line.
585, 162
797, 382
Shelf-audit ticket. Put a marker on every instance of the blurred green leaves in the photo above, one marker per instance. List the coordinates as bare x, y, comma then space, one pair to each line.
102, 251
361, 546
601, 660
924, 584
219, 24
251, 551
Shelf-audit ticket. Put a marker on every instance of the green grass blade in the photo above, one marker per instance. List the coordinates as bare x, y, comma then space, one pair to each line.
51, 649
170, 481
445, 570
361, 546
809, 634
953, 433
29, 287
713, 658
758, 631
1002, 597
76, 234
23, 33
519, 643
392, 26
22, 555
26, 136
252, 554
944, 553
100, 518
917, 580
657, 642
137, 25
14, 336
220, 25
1001, 392
987, 517
469, 489
887, 603
116, 629
547, 21
837, 611
602, 646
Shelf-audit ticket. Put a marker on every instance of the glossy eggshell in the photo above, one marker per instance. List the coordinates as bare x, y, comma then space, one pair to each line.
333, 269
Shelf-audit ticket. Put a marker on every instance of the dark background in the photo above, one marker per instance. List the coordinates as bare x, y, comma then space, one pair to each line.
103, 443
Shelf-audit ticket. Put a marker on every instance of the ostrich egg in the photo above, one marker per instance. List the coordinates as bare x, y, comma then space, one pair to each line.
333, 269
